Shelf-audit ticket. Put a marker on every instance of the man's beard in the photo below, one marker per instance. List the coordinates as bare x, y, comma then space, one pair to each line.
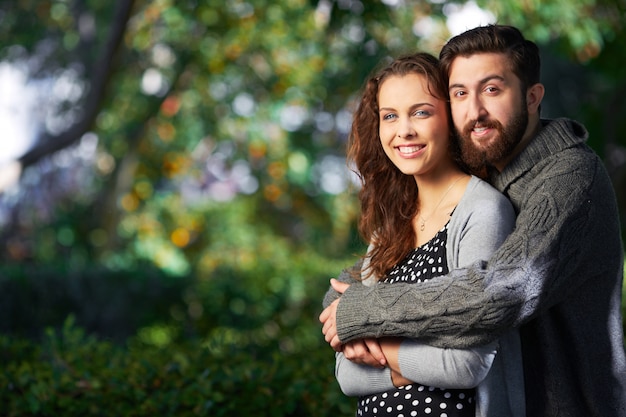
478, 157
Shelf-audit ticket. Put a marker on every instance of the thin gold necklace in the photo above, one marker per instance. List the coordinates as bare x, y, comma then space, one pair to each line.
423, 224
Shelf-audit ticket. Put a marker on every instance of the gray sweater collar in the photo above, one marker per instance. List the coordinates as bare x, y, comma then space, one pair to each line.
555, 136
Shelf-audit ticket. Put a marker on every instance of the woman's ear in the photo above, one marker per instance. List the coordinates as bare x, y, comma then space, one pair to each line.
534, 95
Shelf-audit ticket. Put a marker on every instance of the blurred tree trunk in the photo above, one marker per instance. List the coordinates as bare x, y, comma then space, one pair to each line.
100, 76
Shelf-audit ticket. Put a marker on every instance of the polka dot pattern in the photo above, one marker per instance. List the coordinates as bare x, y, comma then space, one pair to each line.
418, 400
421, 264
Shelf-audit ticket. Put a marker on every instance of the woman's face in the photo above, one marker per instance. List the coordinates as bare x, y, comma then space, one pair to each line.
413, 128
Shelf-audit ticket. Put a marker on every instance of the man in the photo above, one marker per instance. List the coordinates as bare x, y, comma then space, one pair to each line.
558, 277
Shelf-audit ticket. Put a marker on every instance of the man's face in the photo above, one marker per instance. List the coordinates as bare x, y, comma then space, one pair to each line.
489, 110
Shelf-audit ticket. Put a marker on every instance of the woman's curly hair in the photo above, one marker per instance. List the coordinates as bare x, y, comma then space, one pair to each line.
388, 197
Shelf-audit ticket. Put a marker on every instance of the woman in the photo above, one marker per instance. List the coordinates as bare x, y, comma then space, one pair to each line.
423, 215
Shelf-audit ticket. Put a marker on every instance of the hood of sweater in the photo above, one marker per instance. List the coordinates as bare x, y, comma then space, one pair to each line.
555, 136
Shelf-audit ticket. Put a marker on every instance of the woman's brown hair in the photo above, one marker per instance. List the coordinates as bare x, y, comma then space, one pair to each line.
388, 197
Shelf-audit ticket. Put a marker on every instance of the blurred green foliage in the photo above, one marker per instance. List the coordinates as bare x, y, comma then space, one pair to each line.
72, 374
247, 105
189, 217
232, 343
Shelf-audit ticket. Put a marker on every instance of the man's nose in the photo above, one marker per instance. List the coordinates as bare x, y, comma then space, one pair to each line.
476, 108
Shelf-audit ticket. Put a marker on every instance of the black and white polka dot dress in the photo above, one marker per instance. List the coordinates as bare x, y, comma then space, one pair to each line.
421, 264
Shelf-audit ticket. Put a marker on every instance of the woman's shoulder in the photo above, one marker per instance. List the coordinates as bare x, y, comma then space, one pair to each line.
479, 194
480, 189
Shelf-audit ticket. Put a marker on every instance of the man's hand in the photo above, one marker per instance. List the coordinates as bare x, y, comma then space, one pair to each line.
329, 328
365, 352
328, 318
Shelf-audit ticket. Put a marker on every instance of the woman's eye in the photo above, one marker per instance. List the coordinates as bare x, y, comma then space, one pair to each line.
389, 116
421, 113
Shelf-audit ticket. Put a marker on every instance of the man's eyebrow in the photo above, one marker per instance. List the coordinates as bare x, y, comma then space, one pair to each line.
481, 82
492, 77
455, 85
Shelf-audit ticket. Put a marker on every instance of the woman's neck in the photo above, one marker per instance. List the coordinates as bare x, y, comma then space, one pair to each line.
434, 190
437, 198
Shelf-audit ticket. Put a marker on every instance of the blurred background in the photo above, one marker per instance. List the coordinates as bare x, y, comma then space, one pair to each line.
174, 195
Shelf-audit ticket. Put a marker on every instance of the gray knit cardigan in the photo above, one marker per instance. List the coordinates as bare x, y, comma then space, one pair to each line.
558, 277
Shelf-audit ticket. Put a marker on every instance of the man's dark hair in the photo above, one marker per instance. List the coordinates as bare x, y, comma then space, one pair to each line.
522, 54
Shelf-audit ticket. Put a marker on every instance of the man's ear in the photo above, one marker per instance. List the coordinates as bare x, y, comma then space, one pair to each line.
534, 95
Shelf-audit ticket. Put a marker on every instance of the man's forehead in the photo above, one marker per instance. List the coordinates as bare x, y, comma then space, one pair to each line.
480, 68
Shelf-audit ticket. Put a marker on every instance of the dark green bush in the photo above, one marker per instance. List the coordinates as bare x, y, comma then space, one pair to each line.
72, 374
110, 303
239, 342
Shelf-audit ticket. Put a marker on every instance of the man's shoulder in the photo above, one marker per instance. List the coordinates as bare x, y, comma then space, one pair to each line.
564, 128
571, 174
579, 158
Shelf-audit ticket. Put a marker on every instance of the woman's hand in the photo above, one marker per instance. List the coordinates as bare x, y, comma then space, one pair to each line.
365, 352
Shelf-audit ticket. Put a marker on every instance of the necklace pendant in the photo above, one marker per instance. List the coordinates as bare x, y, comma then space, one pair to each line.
422, 226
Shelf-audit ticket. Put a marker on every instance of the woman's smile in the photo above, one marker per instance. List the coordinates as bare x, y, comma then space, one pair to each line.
409, 150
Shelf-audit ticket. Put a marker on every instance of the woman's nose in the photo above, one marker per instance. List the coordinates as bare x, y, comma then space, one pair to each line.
406, 129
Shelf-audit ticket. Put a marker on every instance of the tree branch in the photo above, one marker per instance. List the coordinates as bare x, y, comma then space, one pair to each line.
101, 75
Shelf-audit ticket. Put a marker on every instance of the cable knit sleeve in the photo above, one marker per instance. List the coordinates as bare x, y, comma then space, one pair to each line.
536, 267
347, 276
